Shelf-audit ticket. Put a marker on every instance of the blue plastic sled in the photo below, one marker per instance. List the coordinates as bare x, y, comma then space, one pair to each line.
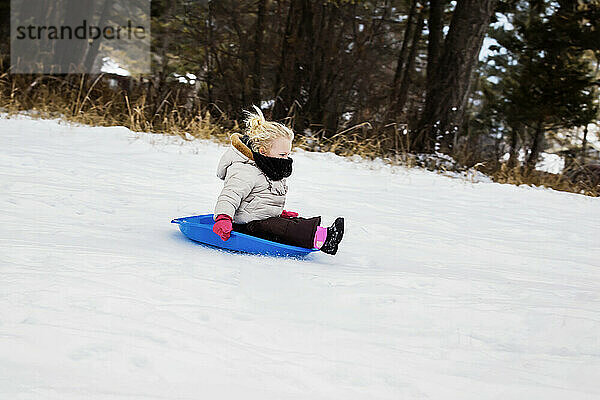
199, 228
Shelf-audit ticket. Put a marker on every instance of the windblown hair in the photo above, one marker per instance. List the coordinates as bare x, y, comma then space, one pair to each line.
263, 132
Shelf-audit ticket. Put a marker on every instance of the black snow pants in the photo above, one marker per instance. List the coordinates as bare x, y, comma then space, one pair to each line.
295, 231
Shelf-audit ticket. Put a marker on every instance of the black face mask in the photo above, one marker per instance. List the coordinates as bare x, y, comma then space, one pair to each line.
275, 168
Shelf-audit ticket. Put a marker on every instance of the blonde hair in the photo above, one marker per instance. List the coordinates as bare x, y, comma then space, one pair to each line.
263, 132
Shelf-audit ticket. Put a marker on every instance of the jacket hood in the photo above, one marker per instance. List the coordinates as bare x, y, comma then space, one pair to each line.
237, 153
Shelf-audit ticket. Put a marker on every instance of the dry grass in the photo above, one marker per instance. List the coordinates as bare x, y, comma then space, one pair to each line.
79, 99
523, 176
391, 143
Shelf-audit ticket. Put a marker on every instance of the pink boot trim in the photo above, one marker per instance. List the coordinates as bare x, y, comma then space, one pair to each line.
320, 237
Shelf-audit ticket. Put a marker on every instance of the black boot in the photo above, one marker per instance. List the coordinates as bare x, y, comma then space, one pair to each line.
334, 237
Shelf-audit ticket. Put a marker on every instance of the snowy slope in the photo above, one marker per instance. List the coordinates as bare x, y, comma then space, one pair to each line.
442, 288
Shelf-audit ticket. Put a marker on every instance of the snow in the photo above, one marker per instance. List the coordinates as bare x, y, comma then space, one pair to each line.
441, 289
576, 135
188, 78
267, 104
485, 52
110, 66
502, 22
521, 156
568, 139
552, 163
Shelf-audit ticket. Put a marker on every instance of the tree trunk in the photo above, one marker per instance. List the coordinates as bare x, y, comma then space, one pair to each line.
584, 143
512, 158
209, 52
400, 101
283, 92
4, 30
445, 103
321, 107
92, 52
534, 151
163, 50
72, 56
435, 25
403, 55
241, 57
258, 45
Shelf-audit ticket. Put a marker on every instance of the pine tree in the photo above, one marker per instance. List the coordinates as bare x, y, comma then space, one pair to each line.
543, 81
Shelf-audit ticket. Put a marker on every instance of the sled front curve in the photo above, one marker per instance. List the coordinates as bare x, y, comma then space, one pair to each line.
199, 229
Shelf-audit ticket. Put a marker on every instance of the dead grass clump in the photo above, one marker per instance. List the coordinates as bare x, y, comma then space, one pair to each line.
524, 176
96, 101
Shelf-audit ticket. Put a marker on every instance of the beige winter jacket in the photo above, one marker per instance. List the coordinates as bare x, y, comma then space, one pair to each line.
247, 194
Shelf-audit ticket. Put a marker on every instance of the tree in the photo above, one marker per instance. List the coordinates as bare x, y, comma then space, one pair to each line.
447, 92
544, 80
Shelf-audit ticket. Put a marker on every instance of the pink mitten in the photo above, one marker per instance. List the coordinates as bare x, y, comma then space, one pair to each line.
289, 214
222, 226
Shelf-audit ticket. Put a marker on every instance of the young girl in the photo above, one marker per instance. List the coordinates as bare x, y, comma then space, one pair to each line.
254, 169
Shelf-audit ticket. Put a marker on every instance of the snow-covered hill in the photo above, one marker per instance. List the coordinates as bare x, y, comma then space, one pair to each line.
441, 289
